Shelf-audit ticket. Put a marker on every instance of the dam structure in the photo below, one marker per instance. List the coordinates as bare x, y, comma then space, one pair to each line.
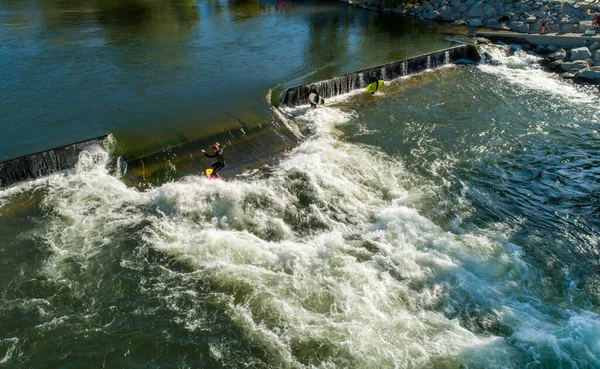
356, 80
44, 163
157, 166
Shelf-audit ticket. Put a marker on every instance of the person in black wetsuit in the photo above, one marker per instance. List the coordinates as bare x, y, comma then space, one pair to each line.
372, 79
220, 163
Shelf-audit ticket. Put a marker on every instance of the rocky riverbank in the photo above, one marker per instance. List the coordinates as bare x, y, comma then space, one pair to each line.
581, 64
515, 15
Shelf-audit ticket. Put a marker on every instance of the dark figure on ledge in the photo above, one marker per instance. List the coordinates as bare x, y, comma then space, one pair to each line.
314, 100
219, 164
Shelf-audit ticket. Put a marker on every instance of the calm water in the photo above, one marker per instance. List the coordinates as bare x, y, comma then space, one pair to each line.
156, 73
449, 221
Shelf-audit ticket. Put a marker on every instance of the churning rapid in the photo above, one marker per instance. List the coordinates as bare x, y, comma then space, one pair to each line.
439, 224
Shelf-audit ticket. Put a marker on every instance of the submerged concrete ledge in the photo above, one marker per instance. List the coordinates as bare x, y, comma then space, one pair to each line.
352, 81
44, 163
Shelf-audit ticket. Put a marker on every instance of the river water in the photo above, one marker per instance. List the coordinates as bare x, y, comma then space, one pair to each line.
449, 221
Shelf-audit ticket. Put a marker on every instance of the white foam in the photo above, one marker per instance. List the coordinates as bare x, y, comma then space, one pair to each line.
522, 69
9, 346
326, 257
310, 287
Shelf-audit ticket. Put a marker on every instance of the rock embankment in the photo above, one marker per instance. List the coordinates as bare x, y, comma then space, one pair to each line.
515, 15
581, 64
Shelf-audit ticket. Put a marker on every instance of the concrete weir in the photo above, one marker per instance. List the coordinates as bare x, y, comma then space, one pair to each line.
351, 81
44, 163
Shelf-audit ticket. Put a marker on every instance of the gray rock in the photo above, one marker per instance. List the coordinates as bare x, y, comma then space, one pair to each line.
531, 20
569, 28
588, 76
492, 23
580, 53
446, 13
561, 55
475, 23
540, 50
554, 65
490, 12
461, 8
551, 48
590, 62
432, 14
597, 55
476, 12
567, 75
519, 26
573, 66
553, 28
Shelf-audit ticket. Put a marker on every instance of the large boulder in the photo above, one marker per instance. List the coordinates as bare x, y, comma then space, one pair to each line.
580, 53
432, 14
554, 65
492, 23
519, 27
591, 75
446, 13
561, 55
461, 7
490, 11
475, 23
567, 75
540, 50
476, 12
574, 66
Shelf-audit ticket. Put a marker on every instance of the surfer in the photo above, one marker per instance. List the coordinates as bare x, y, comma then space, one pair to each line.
313, 100
374, 79
220, 163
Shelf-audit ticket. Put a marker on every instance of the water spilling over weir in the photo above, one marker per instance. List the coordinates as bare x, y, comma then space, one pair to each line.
164, 164
352, 81
46, 162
